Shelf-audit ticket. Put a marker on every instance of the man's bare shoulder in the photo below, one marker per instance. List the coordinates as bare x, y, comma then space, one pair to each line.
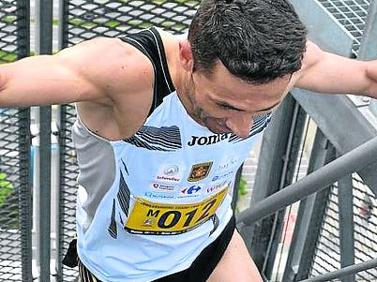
111, 63
124, 74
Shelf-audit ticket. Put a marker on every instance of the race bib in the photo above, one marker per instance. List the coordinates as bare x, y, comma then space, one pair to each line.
167, 219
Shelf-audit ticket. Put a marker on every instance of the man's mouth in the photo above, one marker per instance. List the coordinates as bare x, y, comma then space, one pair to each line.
216, 125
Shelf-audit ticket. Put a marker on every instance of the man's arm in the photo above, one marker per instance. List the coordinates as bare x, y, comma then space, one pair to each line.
85, 72
329, 73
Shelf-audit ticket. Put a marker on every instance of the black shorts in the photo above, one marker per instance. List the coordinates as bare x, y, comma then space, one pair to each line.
201, 268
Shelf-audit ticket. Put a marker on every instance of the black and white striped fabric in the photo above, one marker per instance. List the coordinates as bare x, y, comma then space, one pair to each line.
123, 197
157, 138
85, 275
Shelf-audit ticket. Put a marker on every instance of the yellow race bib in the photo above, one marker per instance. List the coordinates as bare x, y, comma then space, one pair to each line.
166, 219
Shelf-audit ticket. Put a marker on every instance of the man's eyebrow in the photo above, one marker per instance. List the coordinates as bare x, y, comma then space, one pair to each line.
225, 104
221, 103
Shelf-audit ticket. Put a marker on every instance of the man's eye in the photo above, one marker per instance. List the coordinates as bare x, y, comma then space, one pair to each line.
225, 107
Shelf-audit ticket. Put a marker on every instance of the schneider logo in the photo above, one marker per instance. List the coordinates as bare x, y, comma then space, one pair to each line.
170, 178
171, 170
169, 173
213, 139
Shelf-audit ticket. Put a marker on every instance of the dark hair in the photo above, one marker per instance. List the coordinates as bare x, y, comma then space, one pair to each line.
256, 40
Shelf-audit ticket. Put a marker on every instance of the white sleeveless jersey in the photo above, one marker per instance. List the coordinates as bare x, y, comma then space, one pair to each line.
170, 198
148, 205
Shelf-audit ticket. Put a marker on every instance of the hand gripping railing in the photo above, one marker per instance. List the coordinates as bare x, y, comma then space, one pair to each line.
361, 157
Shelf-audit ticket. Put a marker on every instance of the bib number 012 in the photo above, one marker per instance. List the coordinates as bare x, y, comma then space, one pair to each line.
156, 218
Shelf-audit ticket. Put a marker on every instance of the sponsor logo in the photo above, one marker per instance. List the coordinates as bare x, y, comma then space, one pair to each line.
219, 177
217, 187
156, 195
171, 170
148, 222
163, 187
199, 171
234, 160
168, 178
191, 190
169, 173
228, 163
223, 166
207, 140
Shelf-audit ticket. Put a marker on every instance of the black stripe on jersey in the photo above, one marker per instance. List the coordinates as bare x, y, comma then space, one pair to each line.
157, 138
259, 125
121, 219
123, 195
125, 168
113, 226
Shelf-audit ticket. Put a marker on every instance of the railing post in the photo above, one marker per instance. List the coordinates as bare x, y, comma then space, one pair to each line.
346, 224
23, 50
288, 174
310, 215
44, 46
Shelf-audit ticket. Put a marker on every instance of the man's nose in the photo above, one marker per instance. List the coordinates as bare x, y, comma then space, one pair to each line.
240, 124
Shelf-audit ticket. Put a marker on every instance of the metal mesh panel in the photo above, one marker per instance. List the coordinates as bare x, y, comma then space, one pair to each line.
87, 19
365, 233
8, 31
351, 14
113, 18
15, 191
327, 257
68, 186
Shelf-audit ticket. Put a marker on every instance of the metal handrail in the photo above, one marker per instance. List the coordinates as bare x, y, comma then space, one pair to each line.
357, 159
345, 271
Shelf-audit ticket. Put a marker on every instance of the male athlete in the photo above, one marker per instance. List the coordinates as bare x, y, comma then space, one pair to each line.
164, 122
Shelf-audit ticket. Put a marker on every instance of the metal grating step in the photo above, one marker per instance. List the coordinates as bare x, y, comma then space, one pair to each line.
352, 14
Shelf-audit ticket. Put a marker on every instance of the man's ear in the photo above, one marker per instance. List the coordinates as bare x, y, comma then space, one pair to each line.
185, 55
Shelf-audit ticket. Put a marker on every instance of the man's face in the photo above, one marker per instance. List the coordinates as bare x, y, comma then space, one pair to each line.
224, 103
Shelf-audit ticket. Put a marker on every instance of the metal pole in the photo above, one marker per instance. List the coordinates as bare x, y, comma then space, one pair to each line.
23, 50
346, 224
44, 46
34, 129
288, 172
349, 270
62, 42
359, 158
309, 217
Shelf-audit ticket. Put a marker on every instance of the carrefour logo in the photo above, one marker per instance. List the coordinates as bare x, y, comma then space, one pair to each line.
191, 190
